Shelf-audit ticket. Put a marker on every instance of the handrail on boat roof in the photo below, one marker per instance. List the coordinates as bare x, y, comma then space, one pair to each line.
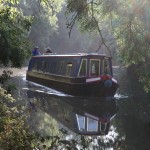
71, 54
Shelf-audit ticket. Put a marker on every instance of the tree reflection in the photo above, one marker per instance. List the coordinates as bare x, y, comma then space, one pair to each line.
132, 123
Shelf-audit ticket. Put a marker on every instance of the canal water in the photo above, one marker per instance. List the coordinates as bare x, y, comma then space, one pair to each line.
122, 122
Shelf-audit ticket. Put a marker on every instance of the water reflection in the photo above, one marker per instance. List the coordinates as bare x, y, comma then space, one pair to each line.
130, 129
83, 116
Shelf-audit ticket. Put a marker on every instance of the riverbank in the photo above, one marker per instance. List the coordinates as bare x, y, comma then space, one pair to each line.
16, 71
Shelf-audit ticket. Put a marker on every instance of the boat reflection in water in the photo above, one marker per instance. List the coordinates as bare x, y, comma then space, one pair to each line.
82, 116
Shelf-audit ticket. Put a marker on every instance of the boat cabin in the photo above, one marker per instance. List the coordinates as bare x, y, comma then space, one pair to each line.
79, 65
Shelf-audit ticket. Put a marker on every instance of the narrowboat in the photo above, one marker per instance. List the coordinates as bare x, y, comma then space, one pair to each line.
81, 74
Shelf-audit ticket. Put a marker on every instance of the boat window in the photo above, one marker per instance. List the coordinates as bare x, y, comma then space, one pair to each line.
83, 68
68, 69
45, 66
94, 67
62, 66
53, 67
34, 66
106, 66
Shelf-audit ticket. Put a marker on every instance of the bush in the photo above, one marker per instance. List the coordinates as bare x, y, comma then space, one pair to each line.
14, 134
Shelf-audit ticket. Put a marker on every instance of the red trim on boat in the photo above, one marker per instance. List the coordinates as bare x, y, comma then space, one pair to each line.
94, 79
105, 77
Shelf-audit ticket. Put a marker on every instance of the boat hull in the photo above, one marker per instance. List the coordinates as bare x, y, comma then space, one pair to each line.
74, 86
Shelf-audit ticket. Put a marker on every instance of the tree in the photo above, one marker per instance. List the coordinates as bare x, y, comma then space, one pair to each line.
128, 21
14, 47
15, 26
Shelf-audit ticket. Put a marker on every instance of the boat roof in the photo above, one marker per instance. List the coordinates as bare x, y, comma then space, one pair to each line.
71, 54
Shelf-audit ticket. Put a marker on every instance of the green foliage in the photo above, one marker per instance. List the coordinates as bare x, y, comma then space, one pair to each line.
16, 19
131, 33
13, 132
82, 11
4, 81
14, 47
60, 142
5, 76
143, 74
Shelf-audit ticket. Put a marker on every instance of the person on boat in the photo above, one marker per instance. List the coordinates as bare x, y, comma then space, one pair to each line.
35, 51
48, 50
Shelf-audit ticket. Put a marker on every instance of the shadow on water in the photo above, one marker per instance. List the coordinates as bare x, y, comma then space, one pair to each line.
133, 118
82, 116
